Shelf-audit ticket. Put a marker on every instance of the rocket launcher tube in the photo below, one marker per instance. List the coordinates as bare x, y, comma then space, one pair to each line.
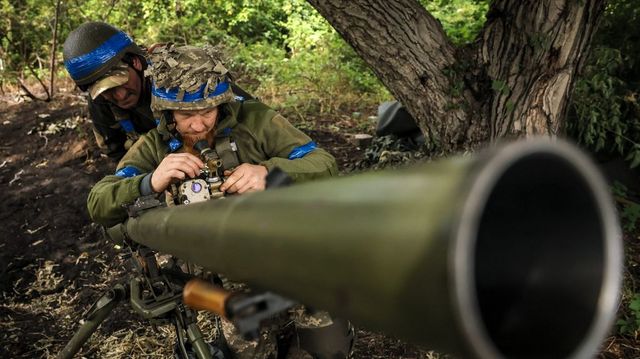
513, 253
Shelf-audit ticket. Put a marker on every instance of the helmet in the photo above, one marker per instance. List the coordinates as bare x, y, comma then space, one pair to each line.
188, 78
93, 49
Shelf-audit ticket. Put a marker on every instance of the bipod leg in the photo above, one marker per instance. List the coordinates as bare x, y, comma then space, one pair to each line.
194, 336
180, 347
186, 322
96, 314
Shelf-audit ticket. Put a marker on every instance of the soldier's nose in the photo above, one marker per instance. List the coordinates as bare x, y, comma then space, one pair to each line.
198, 126
119, 93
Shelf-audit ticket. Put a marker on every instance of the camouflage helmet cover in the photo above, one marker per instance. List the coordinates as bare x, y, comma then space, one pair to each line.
93, 48
188, 78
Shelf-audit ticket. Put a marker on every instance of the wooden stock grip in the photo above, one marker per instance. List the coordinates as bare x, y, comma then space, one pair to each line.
201, 295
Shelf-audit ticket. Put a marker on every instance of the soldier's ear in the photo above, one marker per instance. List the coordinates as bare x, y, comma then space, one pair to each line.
136, 63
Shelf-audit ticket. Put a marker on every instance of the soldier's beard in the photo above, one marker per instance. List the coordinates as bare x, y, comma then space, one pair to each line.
190, 140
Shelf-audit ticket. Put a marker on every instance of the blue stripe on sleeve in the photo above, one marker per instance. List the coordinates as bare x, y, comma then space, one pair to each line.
127, 172
302, 151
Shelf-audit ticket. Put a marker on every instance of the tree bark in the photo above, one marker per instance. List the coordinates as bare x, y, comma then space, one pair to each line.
515, 80
533, 51
54, 44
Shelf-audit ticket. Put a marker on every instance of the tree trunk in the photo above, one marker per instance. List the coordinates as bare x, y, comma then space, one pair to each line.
54, 44
515, 80
533, 50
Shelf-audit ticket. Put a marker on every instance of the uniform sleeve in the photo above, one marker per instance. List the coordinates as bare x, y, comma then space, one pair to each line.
294, 152
109, 137
107, 197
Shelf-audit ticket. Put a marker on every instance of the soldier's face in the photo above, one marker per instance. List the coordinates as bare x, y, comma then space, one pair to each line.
195, 124
126, 96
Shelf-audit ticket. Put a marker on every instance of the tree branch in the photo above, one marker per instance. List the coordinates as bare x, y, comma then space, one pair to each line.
48, 98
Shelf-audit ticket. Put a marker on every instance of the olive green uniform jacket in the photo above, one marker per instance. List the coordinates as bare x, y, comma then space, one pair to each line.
262, 137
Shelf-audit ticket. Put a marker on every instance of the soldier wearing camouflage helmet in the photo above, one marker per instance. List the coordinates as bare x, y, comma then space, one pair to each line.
192, 97
107, 63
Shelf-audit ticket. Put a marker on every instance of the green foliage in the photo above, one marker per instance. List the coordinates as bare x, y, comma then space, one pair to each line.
313, 70
461, 19
628, 322
24, 35
631, 323
605, 112
630, 210
283, 50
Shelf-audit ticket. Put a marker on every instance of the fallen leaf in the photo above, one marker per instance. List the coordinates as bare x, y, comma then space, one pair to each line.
42, 164
37, 242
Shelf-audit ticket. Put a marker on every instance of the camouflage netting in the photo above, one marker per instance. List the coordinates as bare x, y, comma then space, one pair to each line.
392, 151
187, 69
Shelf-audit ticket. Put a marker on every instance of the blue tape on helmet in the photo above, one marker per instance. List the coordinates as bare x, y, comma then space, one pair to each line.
82, 66
127, 125
174, 144
302, 151
172, 94
127, 172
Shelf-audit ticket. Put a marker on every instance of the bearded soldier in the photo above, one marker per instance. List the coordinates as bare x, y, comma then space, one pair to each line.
192, 97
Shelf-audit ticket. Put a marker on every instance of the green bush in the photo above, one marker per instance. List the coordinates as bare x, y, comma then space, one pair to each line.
313, 70
462, 20
605, 113
629, 210
630, 323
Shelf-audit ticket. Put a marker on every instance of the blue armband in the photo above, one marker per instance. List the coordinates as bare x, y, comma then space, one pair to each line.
302, 151
127, 172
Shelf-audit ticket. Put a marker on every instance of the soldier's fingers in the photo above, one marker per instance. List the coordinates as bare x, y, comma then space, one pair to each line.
229, 184
187, 157
236, 185
247, 186
242, 184
189, 167
176, 174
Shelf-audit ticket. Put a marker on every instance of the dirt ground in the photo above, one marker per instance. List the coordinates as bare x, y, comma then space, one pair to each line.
55, 262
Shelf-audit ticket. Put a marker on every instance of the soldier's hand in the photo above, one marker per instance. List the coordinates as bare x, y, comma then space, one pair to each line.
176, 166
245, 178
